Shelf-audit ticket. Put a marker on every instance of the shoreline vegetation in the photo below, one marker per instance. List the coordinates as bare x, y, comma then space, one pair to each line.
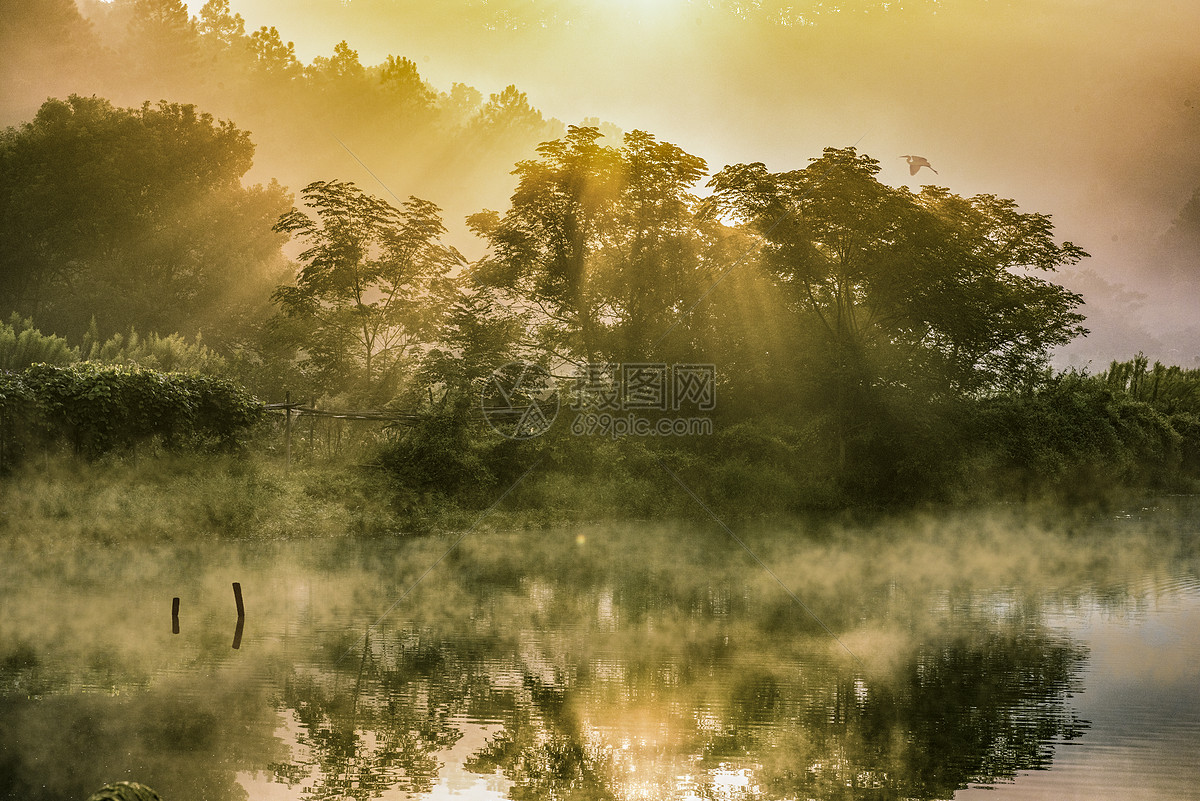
151, 494
120, 449
870, 349
115, 451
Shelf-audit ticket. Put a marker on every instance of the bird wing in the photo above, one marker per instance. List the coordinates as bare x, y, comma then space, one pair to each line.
918, 162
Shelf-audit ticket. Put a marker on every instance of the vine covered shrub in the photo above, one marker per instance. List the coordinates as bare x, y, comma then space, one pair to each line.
17, 406
101, 408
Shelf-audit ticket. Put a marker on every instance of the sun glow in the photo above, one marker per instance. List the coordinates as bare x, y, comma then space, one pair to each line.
645, 10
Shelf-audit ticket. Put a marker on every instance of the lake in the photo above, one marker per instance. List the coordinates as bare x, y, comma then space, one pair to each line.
996, 654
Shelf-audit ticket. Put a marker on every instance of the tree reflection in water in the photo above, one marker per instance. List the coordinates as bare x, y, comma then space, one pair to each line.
651, 667
741, 712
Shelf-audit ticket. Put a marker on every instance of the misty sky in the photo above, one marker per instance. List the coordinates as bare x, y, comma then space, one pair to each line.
1084, 109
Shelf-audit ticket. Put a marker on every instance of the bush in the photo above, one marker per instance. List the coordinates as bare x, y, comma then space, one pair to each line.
169, 354
1075, 436
17, 404
436, 453
1188, 427
101, 408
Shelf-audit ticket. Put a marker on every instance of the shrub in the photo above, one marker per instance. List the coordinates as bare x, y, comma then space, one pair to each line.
17, 405
100, 408
169, 354
1074, 436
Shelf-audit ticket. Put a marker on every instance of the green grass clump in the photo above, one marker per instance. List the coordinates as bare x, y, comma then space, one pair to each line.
176, 497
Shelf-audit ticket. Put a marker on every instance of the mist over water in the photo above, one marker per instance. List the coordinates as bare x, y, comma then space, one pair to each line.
632, 661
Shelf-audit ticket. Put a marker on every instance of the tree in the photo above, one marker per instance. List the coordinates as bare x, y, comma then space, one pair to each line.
136, 217
902, 299
461, 103
272, 56
510, 110
934, 277
373, 284
600, 241
478, 335
450, 448
167, 42
343, 65
542, 247
219, 25
400, 78
658, 263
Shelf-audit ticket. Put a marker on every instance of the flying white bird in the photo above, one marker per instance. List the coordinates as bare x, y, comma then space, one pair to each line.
917, 162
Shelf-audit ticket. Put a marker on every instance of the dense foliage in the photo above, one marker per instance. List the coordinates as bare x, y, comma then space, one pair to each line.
22, 345
373, 286
97, 408
134, 217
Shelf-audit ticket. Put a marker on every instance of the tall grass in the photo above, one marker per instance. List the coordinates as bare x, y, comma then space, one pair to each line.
177, 497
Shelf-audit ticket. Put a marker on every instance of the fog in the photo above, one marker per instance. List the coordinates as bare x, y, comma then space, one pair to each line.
927, 651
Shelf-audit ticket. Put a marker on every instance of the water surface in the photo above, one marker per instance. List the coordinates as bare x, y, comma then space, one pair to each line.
988, 655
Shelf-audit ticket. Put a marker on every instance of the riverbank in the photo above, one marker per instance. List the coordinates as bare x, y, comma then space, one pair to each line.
165, 497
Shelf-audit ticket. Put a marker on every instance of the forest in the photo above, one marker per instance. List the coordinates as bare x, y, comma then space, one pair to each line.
866, 346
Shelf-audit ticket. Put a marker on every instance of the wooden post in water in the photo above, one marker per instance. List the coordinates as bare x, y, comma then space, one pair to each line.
174, 615
241, 610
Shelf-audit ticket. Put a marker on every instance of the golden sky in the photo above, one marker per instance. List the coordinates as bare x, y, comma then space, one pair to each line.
1060, 104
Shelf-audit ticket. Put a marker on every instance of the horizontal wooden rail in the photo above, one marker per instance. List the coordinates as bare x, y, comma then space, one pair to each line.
297, 409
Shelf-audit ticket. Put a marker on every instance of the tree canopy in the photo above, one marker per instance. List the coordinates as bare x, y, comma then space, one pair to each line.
136, 217
372, 287
600, 242
929, 283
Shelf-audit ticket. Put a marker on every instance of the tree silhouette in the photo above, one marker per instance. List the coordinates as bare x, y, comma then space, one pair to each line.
902, 299
136, 217
600, 241
372, 287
